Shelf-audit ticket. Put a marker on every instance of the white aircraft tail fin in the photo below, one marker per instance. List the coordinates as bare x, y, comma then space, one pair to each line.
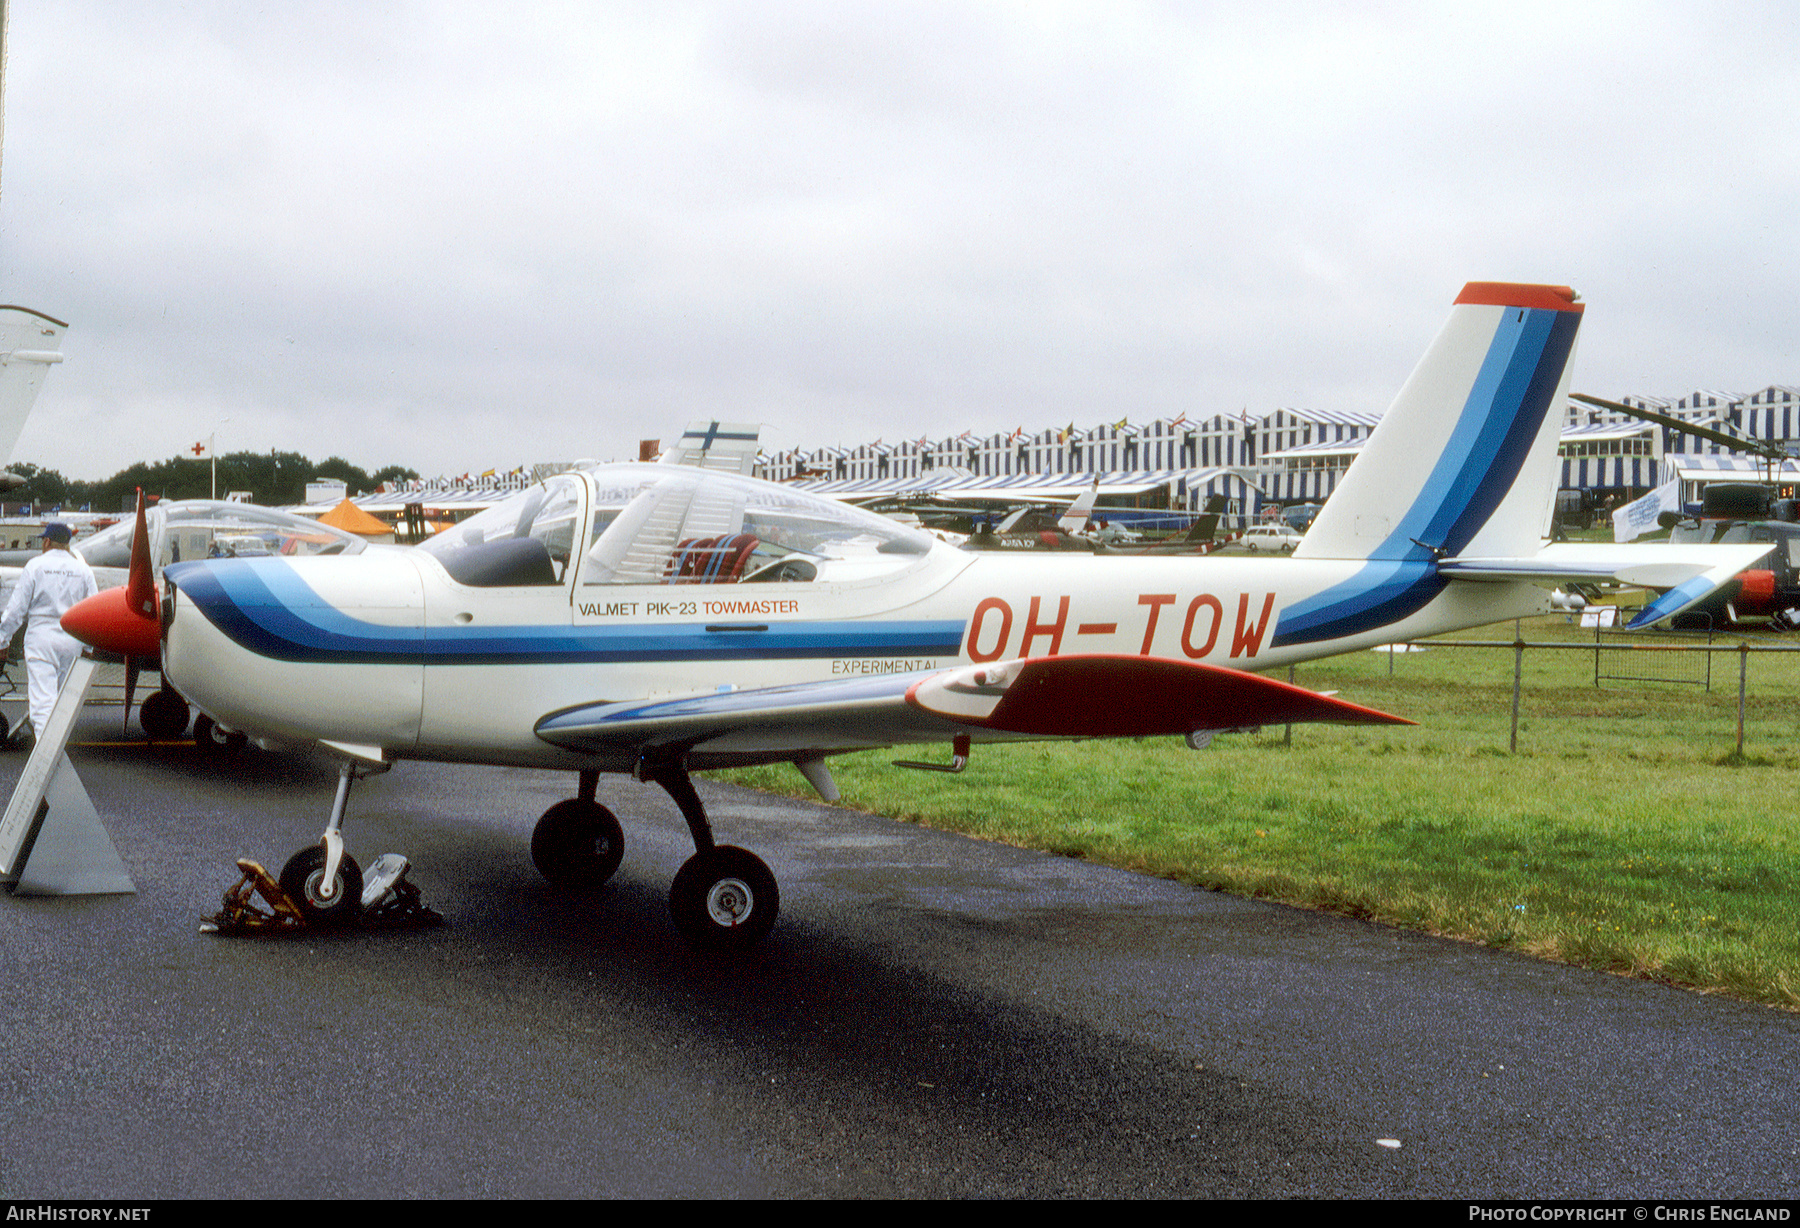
1075, 519
730, 446
29, 343
1485, 402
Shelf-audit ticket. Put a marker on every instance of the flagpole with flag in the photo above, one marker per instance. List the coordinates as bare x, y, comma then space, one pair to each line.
203, 450
1640, 515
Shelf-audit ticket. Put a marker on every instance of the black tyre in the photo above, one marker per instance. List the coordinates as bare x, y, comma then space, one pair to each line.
577, 844
163, 715
724, 899
209, 737
303, 880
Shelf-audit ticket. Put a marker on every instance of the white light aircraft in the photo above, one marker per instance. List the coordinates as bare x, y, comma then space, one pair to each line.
657, 620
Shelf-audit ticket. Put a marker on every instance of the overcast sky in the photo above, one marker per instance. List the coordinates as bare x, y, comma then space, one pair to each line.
463, 237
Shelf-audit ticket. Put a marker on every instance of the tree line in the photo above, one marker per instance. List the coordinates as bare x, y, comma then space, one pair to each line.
274, 479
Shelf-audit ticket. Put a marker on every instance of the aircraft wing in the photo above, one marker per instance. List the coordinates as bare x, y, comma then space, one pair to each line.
1686, 574
1084, 696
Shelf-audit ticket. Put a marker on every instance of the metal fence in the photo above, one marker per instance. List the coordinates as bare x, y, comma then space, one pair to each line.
1630, 657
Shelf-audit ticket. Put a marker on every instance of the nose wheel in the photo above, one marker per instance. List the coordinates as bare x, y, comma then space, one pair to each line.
324, 902
322, 879
164, 715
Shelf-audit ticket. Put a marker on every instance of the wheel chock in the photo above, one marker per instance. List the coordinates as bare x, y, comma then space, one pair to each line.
389, 901
241, 915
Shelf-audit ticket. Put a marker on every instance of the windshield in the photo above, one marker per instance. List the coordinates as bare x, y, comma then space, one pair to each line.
205, 528
528, 538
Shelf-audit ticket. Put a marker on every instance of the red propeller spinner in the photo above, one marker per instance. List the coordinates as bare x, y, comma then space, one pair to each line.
124, 620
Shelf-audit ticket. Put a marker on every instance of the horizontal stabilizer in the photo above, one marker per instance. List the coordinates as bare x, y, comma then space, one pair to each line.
1685, 574
1088, 696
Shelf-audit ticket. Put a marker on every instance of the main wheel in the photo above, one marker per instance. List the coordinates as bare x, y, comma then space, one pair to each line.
164, 715
724, 899
577, 844
209, 737
303, 879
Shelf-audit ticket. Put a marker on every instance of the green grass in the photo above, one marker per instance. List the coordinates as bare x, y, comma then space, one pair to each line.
1626, 834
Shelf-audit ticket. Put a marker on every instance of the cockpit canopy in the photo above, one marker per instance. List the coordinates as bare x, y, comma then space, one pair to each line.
671, 524
207, 528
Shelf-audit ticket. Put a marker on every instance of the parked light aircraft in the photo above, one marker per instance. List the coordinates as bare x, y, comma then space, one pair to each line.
657, 620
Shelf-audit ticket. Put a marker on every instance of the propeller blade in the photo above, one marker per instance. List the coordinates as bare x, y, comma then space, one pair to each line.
131, 677
124, 620
140, 584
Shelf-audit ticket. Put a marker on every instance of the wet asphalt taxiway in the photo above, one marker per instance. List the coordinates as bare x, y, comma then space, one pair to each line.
933, 1016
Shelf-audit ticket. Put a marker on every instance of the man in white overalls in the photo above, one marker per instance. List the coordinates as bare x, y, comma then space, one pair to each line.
52, 582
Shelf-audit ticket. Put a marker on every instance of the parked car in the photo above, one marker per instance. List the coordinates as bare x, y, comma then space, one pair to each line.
1300, 516
1278, 537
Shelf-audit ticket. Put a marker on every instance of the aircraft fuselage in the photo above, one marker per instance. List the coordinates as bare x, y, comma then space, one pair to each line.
388, 650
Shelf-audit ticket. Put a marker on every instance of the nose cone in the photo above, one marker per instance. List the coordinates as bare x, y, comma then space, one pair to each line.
107, 621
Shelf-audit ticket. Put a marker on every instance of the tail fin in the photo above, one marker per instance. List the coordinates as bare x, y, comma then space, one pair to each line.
1482, 402
28, 345
1207, 523
730, 446
1075, 519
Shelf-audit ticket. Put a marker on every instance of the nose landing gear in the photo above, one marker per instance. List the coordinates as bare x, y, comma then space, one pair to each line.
324, 881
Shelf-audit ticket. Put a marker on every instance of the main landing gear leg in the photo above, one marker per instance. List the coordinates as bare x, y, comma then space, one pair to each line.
323, 879
723, 898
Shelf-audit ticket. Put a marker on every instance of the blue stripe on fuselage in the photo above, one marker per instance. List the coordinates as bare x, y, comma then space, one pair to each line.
264, 607
1383, 592
1488, 447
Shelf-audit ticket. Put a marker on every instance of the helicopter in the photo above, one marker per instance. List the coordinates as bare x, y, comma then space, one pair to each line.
1733, 513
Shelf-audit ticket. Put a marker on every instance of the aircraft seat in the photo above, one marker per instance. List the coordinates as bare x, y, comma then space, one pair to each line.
508, 562
711, 560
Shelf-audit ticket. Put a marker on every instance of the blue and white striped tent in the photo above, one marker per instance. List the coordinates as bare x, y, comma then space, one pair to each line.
1621, 452
1698, 470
